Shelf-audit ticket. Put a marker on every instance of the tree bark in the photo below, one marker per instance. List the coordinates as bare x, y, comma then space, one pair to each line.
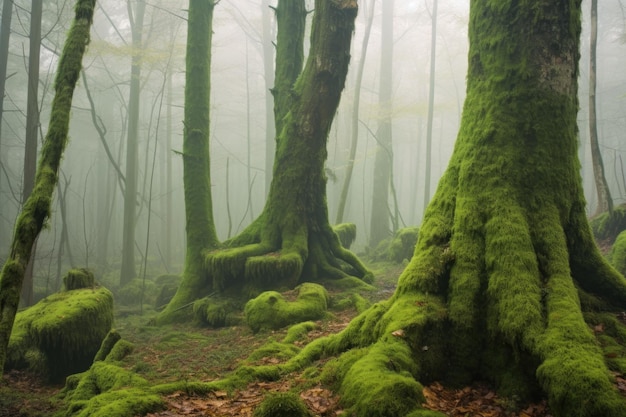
605, 202
5, 32
37, 207
292, 239
200, 228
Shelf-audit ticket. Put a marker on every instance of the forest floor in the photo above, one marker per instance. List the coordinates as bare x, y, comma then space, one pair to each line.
185, 352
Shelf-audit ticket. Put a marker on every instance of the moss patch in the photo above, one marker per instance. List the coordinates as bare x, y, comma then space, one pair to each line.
61, 334
271, 310
282, 404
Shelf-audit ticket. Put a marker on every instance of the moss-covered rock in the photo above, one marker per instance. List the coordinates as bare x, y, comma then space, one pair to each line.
78, 278
271, 310
61, 334
282, 404
136, 291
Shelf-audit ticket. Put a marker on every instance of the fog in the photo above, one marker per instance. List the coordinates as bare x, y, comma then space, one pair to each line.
89, 183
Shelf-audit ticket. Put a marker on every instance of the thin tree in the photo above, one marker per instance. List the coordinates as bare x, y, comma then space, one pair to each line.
354, 126
128, 272
37, 207
200, 227
32, 130
605, 202
5, 32
383, 163
431, 105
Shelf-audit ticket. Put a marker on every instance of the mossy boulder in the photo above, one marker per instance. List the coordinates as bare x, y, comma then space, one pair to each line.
61, 334
78, 278
282, 404
136, 291
273, 310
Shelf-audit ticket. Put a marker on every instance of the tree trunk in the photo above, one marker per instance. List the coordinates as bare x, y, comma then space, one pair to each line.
32, 130
505, 257
291, 22
200, 229
268, 72
605, 202
292, 239
383, 163
37, 207
5, 32
431, 106
128, 271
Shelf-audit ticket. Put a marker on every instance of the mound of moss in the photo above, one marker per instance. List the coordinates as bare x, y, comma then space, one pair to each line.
282, 404
78, 278
617, 256
216, 312
136, 291
607, 226
399, 247
271, 310
60, 334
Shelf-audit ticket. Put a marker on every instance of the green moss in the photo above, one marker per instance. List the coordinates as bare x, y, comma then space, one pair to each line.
617, 256
282, 404
299, 331
607, 226
78, 278
216, 312
67, 328
109, 390
381, 382
346, 232
107, 345
270, 310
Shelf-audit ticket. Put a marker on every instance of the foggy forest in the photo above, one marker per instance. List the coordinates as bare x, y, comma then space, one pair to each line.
313, 208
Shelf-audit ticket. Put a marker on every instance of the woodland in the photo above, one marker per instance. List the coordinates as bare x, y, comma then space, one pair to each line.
312, 208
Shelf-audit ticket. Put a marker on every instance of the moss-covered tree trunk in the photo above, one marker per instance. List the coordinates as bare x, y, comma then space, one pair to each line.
505, 264
37, 207
292, 239
291, 22
200, 227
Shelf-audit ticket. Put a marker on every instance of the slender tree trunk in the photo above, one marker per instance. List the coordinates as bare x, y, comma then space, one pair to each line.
291, 22
605, 202
383, 163
5, 32
268, 70
37, 207
354, 128
431, 106
128, 271
32, 130
200, 228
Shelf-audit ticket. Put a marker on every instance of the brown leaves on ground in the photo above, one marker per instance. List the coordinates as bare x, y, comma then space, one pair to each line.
320, 401
477, 401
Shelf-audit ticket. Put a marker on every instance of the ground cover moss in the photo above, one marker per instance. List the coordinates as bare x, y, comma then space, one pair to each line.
61, 333
282, 404
270, 310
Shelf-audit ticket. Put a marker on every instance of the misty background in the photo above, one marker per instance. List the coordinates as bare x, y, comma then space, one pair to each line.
89, 201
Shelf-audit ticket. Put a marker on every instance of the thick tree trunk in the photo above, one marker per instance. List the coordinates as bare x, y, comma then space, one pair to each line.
37, 207
292, 239
505, 256
200, 228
